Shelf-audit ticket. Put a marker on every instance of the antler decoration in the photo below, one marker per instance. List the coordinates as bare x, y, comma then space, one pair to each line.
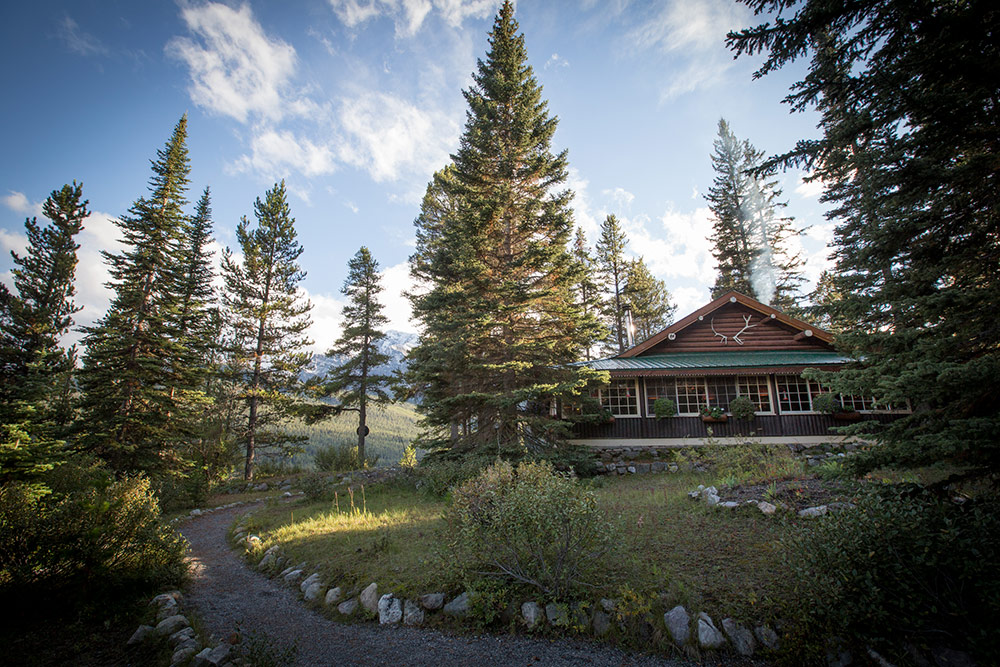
725, 339
746, 325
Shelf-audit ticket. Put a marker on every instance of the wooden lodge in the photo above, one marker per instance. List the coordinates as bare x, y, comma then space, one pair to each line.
734, 346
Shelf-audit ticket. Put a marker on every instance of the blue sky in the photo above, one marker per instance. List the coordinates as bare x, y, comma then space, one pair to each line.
355, 103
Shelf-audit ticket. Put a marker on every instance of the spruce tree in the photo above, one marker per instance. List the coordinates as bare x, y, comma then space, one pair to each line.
130, 373
907, 95
355, 382
648, 299
196, 309
749, 236
269, 318
613, 265
500, 319
587, 289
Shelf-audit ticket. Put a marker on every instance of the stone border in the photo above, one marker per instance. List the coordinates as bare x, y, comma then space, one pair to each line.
188, 647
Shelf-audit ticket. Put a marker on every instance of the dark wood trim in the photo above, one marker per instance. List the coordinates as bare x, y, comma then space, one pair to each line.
693, 427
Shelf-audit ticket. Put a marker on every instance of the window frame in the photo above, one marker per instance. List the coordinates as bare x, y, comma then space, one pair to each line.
638, 404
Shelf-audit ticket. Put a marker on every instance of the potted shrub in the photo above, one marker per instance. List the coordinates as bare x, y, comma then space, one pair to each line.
828, 404
664, 407
742, 407
713, 414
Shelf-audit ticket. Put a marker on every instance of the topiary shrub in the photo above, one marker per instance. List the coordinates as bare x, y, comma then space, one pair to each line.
742, 407
903, 566
664, 407
533, 526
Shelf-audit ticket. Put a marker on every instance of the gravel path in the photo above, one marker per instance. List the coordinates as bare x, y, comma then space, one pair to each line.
224, 592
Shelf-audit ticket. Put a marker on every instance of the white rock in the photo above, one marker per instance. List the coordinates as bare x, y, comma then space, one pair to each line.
412, 613
292, 576
390, 610
431, 601
195, 512
729, 504
711, 499
182, 634
819, 510
348, 607
314, 591
333, 595
369, 598
531, 613
172, 624
459, 606
182, 655
766, 507
708, 635
309, 581
678, 623
741, 638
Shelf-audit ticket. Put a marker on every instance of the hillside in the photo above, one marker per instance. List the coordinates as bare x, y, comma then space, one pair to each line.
392, 428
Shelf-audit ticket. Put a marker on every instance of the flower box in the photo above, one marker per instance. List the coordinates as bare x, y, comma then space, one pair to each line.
715, 420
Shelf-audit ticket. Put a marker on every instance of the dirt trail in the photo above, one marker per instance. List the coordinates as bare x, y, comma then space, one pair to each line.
225, 593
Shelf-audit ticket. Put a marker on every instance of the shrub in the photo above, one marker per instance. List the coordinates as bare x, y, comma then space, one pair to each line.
749, 461
110, 534
437, 475
532, 525
904, 565
342, 458
316, 486
741, 407
664, 407
827, 403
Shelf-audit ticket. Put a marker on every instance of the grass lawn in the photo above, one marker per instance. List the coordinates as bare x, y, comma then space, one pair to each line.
675, 550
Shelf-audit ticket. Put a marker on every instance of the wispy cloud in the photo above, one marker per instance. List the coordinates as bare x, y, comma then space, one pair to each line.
236, 69
555, 60
275, 153
620, 196
409, 15
18, 202
78, 40
809, 189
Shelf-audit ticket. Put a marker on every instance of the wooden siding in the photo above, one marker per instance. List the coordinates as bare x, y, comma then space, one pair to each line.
693, 427
769, 334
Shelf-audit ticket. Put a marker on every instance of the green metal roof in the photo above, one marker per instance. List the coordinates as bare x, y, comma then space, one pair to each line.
722, 359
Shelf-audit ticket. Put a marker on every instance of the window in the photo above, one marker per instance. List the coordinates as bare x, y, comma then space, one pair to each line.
859, 403
721, 390
795, 393
659, 388
621, 397
757, 389
690, 395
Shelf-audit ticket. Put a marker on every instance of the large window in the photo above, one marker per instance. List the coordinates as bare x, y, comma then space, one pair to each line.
757, 389
690, 395
659, 388
795, 393
621, 397
721, 390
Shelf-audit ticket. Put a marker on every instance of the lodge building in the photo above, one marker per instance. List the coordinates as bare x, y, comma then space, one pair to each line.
733, 346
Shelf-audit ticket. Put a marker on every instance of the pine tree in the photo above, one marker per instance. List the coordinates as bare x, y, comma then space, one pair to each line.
588, 291
750, 237
34, 368
269, 318
196, 321
355, 382
130, 371
648, 299
499, 314
907, 95
613, 266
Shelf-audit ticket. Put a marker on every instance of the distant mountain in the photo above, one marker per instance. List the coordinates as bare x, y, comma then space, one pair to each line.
395, 344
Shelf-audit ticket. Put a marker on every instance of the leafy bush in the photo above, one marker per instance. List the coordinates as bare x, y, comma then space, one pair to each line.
110, 534
532, 525
664, 407
904, 564
831, 469
437, 475
342, 458
742, 407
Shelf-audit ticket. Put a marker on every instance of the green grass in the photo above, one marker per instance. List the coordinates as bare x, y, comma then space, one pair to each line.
392, 428
675, 550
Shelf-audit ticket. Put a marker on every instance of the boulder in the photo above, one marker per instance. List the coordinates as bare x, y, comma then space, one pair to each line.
819, 510
369, 598
166, 598
766, 507
167, 610
412, 613
711, 499
431, 601
195, 512
292, 576
459, 606
729, 504
708, 635
189, 644
531, 613
182, 655
314, 591
213, 657
767, 637
171, 624
349, 607
740, 637
558, 614
678, 623
309, 581
267, 561
142, 633
181, 635
601, 623
333, 595
390, 610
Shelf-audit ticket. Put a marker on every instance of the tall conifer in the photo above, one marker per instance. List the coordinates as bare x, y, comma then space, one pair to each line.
647, 298
269, 318
500, 318
587, 289
613, 266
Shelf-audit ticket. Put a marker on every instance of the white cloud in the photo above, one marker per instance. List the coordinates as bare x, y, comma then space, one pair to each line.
396, 280
689, 299
79, 41
386, 135
274, 153
409, 15
99, 233
17, 201
555, 60
236, 69
12, 242
679, 249
809, 189
326, 320
622, 197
